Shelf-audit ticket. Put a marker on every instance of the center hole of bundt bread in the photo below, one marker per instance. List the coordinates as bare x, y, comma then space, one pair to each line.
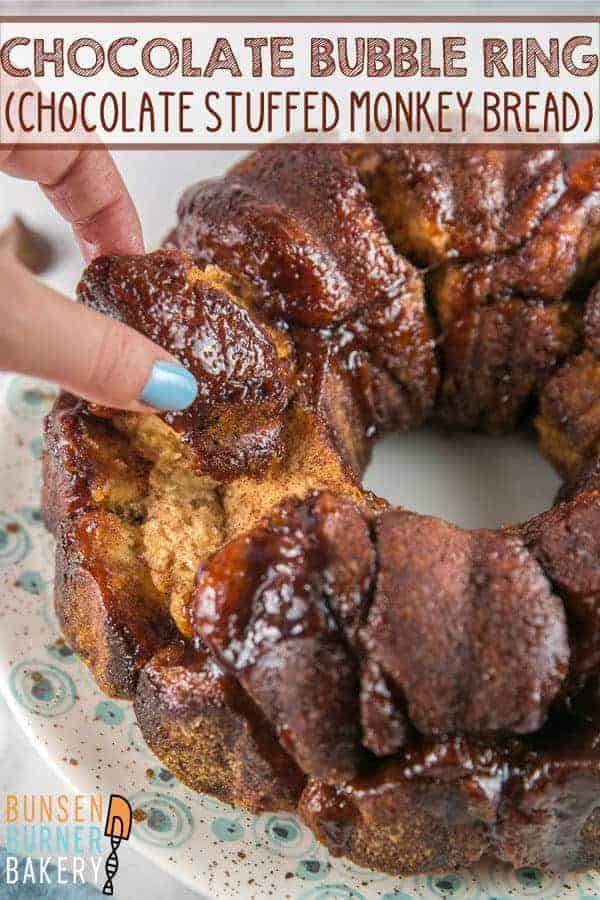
472, 480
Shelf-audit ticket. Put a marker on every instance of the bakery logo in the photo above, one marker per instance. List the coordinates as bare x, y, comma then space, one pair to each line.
61, 839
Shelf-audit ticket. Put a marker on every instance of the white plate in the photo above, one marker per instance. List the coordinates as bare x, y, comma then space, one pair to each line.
205, 844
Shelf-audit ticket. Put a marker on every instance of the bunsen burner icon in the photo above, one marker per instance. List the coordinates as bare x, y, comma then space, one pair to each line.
117, 828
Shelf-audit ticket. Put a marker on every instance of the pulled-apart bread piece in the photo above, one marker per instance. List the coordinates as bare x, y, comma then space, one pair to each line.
180, 468
243, 371
251, 418
93, 500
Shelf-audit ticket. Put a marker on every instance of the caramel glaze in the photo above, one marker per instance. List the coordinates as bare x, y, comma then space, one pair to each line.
235, 423
525, 801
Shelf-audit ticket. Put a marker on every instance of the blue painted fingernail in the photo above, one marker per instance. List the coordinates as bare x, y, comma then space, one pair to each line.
169, 387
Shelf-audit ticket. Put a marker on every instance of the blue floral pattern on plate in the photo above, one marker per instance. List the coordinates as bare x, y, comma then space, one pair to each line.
42, 689
15, 541
161, 820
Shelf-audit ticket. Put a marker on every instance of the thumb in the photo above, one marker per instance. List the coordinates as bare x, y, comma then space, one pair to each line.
89, 354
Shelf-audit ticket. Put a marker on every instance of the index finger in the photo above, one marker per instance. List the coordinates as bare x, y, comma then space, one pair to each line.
86, 188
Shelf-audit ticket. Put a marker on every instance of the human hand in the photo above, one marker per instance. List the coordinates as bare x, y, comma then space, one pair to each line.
48, 336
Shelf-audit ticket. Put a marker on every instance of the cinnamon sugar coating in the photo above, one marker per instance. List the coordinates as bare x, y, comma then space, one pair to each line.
444, 203
466, 626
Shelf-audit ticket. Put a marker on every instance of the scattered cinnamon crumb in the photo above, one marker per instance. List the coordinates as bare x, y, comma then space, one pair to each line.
30, 247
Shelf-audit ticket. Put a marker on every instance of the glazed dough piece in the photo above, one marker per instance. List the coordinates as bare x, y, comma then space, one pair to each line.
242, 369
384, 720
549, 814
524, 801
297, 225
349, 582
566, 542
568, 423
209, 734
436, 800
261, 606
508, 321
498, 353
569, 418
295, 229
443, 203
465, 624
344, 539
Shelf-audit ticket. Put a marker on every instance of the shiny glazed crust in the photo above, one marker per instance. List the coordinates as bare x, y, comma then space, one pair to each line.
422, 695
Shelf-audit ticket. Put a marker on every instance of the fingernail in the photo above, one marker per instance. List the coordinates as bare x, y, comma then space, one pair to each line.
170, 386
